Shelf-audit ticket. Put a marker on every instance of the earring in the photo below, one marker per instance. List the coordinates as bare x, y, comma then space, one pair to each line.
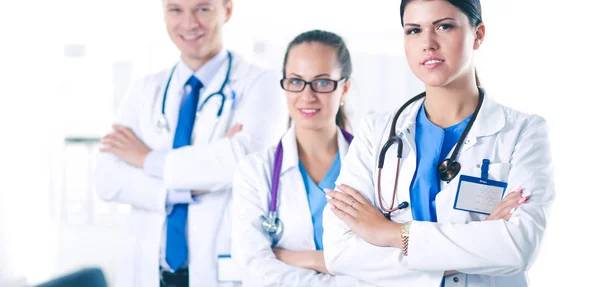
342, 103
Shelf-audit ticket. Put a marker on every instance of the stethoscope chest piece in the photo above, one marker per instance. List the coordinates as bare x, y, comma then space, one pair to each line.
272, 225
162, 125
448, 169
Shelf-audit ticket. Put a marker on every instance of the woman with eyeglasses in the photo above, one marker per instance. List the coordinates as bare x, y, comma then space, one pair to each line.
278, 196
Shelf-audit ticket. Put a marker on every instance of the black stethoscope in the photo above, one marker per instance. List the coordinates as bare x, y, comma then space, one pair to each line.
447, 170
162, 125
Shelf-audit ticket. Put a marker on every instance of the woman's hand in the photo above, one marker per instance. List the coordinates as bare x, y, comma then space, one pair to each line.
313, 260
362, 217
504, 210
508, 205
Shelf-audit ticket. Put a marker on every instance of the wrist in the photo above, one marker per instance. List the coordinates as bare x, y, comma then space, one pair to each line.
142, 159
395, 235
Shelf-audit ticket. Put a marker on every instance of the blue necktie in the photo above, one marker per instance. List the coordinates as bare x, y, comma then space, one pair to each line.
177, 251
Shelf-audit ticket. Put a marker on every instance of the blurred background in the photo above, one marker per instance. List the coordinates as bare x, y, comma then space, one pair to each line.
65, 65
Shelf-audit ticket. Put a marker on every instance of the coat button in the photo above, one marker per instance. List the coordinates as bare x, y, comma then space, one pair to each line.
408, 131
455, 279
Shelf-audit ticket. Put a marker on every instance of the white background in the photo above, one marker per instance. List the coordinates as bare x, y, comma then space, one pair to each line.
539, 56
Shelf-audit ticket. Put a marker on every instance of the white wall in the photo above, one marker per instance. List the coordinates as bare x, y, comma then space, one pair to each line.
539, 56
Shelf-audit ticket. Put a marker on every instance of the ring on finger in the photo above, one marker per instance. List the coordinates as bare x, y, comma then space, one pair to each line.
352, 203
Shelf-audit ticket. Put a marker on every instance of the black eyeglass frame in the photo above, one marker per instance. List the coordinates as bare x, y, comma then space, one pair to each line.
335, 84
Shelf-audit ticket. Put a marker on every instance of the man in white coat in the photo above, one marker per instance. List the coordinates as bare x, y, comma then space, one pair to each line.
177, 139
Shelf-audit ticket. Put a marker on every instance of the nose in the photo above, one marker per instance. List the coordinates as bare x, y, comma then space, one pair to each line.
190, 22
430, 41
308, 95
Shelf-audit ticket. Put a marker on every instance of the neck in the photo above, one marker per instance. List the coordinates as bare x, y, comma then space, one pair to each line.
451, 104
317, 143
195, 62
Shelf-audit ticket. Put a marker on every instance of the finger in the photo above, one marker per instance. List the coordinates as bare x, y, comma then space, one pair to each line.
112, 141
126, 132
344, 197
107, 148
354, 193
514, 194
234, 130
510, 199
523, 199
345, 217
347, 208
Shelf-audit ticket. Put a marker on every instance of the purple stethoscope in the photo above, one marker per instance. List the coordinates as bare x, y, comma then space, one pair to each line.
271, 224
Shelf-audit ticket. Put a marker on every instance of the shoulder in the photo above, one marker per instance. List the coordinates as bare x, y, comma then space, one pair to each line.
150, 84
516, 119
375, 124
247, 75
256, 163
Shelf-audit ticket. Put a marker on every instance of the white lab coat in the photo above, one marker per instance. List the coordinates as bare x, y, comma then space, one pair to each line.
206, 165
251, 247
492, 253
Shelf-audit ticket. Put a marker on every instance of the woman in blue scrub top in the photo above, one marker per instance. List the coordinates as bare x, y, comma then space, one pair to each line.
456, 227
316, 80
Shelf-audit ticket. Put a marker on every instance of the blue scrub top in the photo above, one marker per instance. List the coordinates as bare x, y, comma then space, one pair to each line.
316, 196
433, 147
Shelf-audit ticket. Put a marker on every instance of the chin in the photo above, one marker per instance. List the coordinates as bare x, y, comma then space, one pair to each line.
309, 124
435, 80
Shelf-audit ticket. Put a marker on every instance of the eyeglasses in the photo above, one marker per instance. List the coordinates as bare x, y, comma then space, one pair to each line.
296, 85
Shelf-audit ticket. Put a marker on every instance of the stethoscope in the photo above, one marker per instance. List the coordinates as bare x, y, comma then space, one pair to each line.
271, 224
447, 170
162, 125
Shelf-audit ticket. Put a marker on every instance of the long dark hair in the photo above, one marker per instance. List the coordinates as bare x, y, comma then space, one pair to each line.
471, 8
343, 57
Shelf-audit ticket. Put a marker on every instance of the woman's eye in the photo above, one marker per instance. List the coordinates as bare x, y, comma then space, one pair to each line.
413, 31
295, 81
445, 27
323, 83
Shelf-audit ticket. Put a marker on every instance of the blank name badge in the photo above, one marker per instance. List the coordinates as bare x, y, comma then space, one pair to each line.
478, 195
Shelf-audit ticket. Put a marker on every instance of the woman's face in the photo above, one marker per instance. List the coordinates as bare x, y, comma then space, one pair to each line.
316, 62
439, 42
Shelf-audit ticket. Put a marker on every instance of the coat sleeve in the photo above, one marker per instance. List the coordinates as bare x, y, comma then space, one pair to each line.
251, 249
120, 182
261, 110
381, 266
496, 247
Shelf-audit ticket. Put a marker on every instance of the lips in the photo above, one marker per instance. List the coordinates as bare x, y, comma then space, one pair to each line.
191, 38
432, 60
309, 112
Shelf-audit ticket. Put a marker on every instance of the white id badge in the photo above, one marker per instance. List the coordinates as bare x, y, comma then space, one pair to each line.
227, 270
478, 195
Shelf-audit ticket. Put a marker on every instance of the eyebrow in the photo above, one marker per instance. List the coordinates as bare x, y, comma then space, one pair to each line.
434, 22
320, 75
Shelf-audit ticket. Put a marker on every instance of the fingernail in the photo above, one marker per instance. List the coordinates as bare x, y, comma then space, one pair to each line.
328, 197
327, 190
522, 200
